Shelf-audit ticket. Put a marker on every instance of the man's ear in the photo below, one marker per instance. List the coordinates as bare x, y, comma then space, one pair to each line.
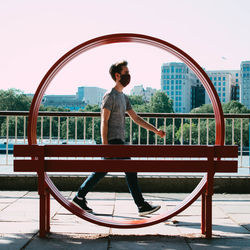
117, 76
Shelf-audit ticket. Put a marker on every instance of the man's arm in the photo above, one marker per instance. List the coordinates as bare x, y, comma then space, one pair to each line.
104, 125
138, 120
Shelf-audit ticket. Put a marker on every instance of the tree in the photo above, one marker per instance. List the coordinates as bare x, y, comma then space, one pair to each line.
161, 103
13, 99
136, 100
205, 108
232, 107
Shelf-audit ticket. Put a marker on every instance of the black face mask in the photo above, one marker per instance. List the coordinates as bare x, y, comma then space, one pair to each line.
125, 80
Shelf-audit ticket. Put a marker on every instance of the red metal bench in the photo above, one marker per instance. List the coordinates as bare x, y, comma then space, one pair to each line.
210, 162
51, 158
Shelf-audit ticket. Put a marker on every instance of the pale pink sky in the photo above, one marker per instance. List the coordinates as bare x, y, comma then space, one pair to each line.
34, 34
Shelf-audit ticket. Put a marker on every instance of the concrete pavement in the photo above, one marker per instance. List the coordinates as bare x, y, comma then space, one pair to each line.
19, 223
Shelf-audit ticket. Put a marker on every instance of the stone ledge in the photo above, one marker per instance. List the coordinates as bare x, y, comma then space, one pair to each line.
156, 184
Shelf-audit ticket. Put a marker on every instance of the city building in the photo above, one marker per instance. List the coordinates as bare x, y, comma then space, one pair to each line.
90, 95
145, 93
176, 81
222, 81
197, 95
64, 101
226, 83
245, 83
83, 97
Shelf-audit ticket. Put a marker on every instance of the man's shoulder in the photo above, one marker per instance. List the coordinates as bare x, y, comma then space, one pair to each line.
108, 93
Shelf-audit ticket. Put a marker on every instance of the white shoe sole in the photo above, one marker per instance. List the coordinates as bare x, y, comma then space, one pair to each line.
150, 211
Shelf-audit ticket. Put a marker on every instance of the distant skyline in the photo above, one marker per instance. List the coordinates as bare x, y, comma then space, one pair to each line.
34, 34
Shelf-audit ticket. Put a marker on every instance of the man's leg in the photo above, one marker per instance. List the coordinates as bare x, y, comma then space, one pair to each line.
89, 183
144, 207
134, 188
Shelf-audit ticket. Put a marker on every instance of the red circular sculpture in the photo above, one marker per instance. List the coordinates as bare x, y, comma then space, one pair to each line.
126, 38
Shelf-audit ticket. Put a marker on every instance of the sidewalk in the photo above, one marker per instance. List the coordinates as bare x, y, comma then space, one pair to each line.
19, 223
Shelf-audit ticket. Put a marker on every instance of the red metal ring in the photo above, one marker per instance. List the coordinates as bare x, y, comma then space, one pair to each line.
121, 38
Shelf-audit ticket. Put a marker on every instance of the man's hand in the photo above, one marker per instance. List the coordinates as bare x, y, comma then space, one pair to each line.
161, 133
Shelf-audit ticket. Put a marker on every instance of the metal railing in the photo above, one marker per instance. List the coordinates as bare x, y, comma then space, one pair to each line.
84, 128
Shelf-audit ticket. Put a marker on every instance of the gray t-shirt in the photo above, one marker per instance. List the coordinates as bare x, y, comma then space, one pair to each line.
118, 103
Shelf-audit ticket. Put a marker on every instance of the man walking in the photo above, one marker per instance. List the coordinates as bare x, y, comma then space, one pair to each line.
114, 105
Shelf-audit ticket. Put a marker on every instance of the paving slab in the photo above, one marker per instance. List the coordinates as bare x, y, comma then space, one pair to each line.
61, 241
147, 242
14, 240
219, 243
19, 223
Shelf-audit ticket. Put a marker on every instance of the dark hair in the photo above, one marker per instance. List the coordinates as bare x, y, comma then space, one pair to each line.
117, 68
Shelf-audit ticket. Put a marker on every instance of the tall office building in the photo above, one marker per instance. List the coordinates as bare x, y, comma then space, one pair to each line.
176, 81
90, 95
197, 95
245, 83
223, 81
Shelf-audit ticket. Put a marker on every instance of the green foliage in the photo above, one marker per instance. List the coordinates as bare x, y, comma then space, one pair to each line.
232, 107
205, 108
13, 99
136, 100
161, 103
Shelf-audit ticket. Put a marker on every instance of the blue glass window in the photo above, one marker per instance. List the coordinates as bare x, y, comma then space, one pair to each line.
223, 100
219, 88
215, 83
167, 81
167, 87
176, 87
172, 87
219, 78
172, 69
224, 94
237, 80
237, 74
215, 78
219, 94
224, 78
172, 92
172, 81
224, 84
224, 89
167, 92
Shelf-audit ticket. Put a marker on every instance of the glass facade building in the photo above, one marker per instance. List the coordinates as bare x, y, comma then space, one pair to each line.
176, 81
225, 82
245, 83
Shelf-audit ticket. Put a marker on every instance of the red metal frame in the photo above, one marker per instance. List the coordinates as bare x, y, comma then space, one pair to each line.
206, 182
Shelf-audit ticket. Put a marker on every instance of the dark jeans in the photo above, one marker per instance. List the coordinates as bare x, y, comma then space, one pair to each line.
131, 179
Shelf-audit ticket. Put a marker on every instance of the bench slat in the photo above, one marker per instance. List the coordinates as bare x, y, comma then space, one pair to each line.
125, 151
126, 166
